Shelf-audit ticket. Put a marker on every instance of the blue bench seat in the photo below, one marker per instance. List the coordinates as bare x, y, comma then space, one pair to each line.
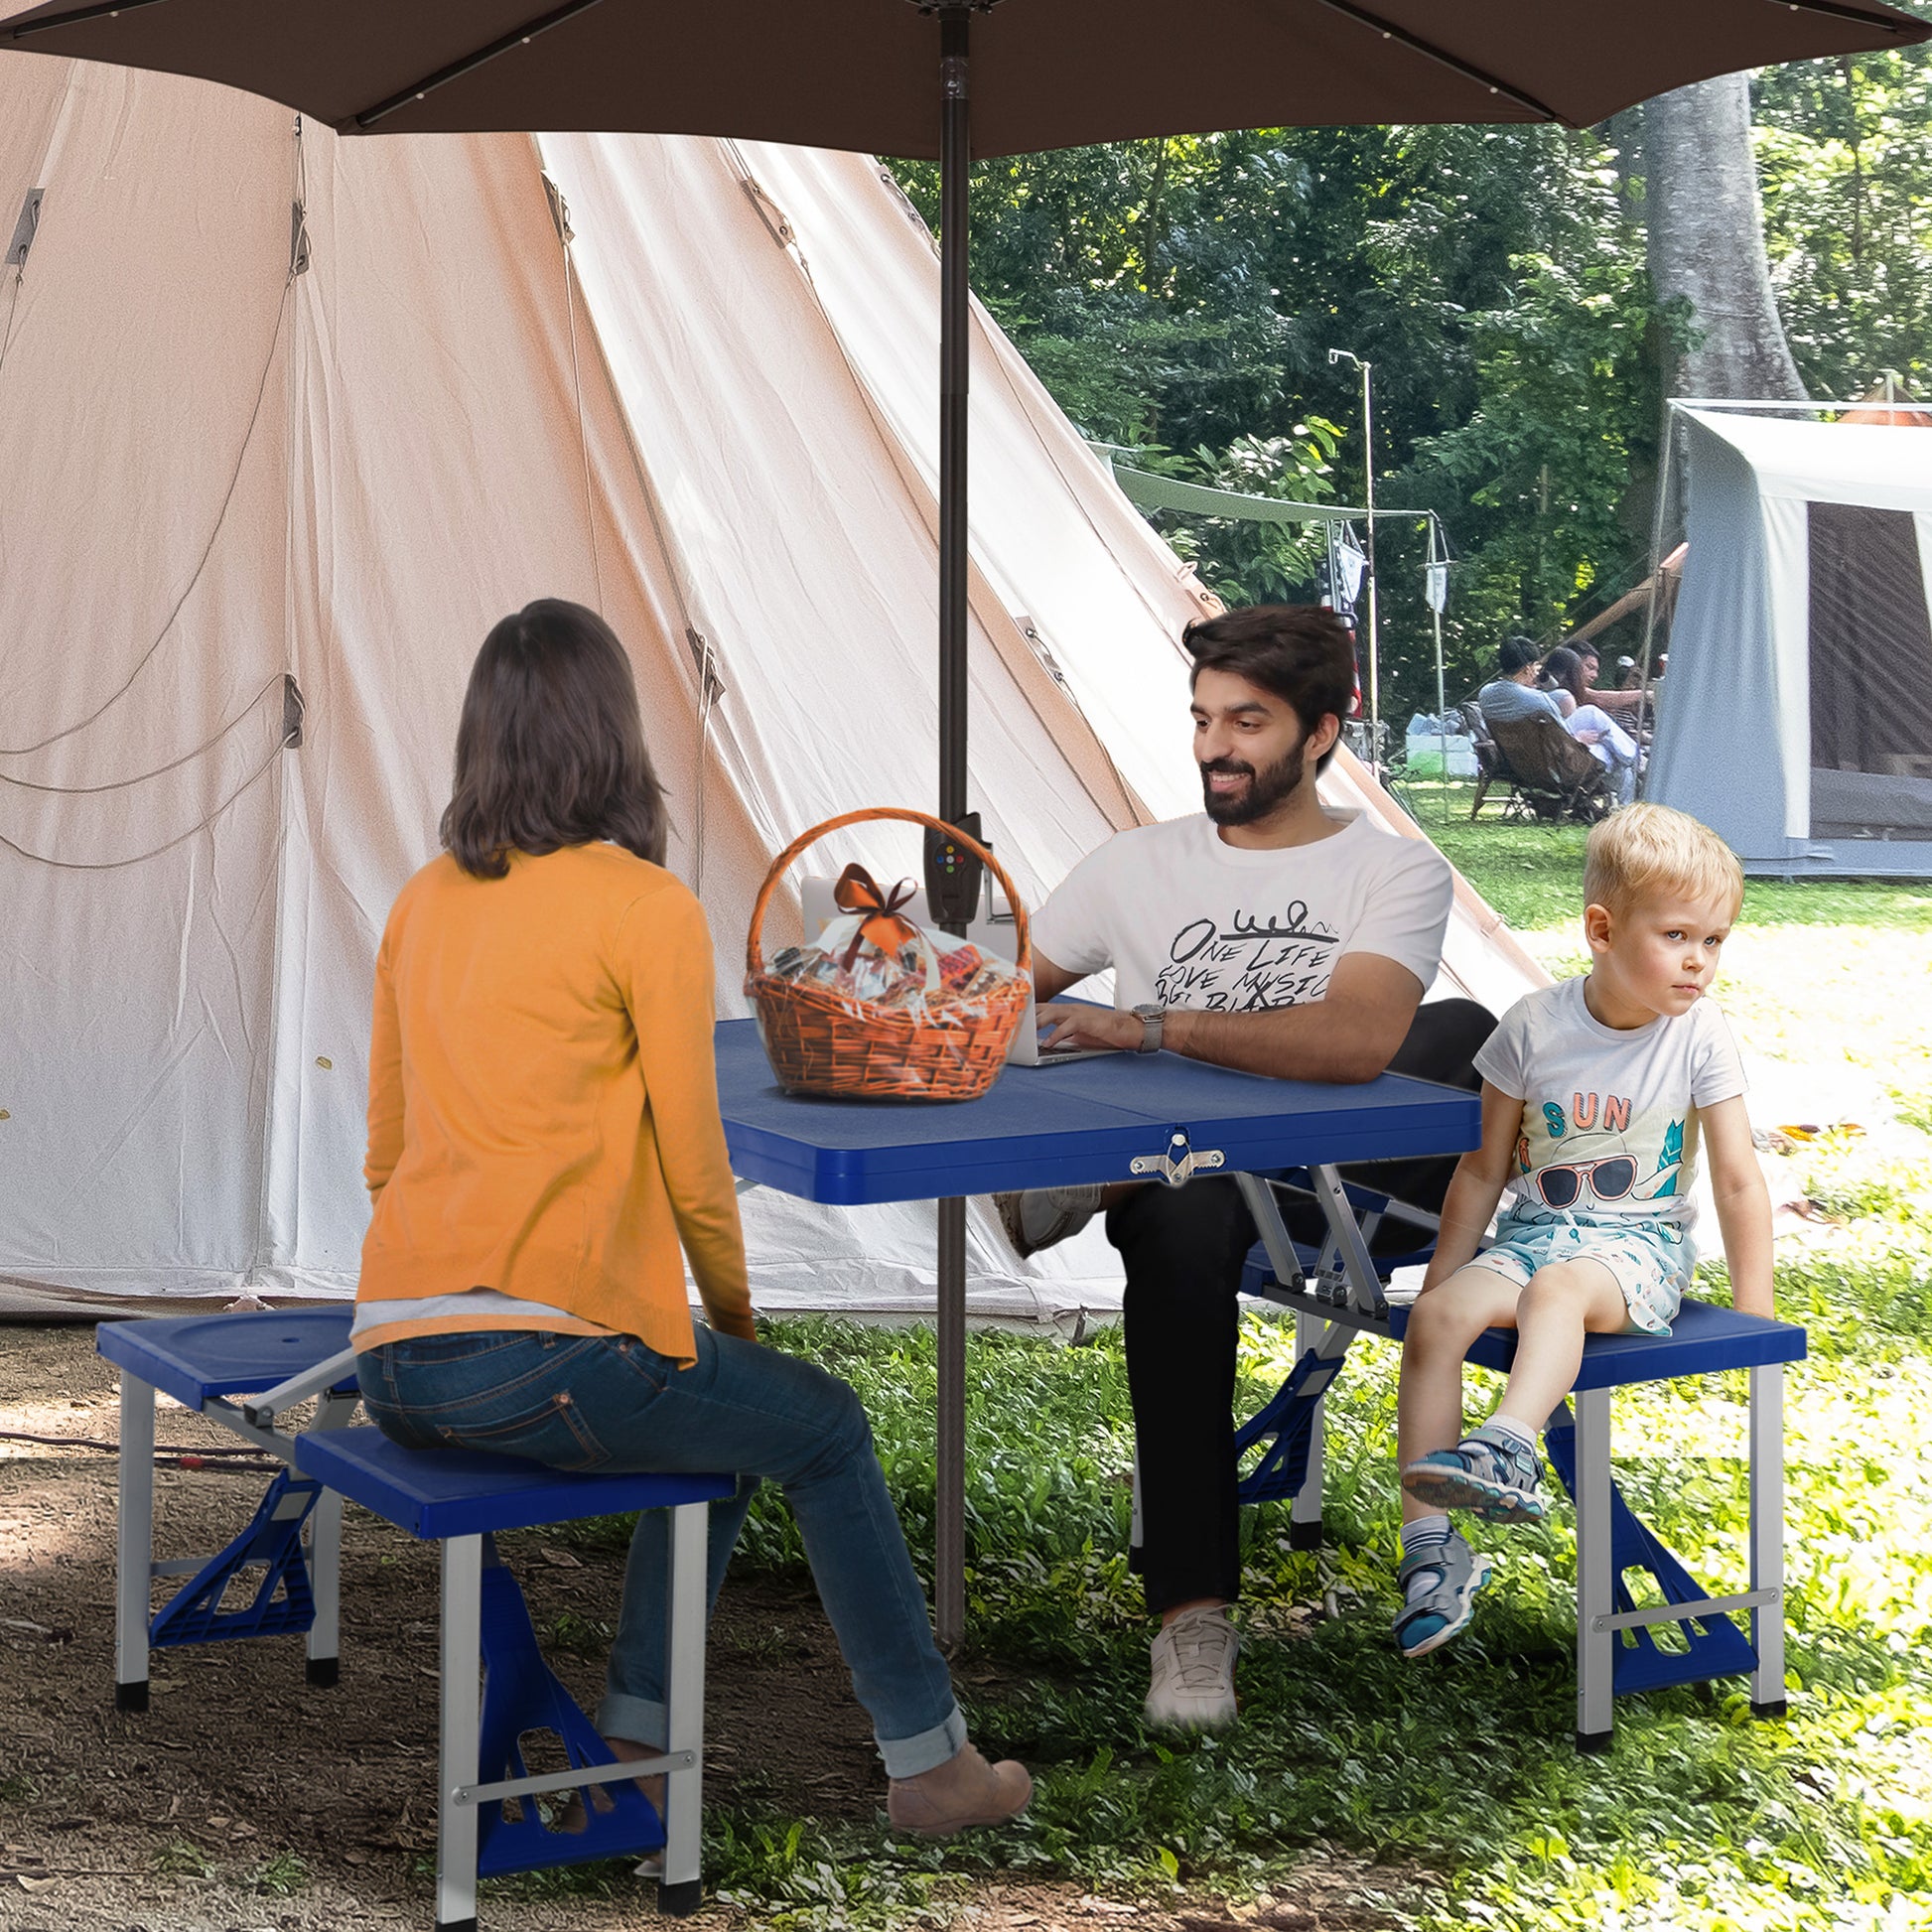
486, 1824
278, 1575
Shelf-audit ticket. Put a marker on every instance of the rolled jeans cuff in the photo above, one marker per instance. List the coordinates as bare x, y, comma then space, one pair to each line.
911, 1757
638, 1721
642, 1720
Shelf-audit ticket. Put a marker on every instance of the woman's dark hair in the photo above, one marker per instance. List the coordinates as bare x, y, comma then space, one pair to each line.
1562, 669
1301, 653
1516, 652
550, 750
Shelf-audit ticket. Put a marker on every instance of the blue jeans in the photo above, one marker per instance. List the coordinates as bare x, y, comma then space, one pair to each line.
604, 1402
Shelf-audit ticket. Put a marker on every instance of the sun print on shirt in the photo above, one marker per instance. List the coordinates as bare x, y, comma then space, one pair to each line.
1597, 1152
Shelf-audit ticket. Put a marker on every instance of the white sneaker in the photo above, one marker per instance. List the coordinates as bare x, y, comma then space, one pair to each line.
1194, 1670
1047, 1215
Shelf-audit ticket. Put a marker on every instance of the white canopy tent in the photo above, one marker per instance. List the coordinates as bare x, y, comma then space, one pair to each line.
241, 467
1797, 716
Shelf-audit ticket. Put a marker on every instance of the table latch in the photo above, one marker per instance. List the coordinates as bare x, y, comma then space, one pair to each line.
1179, 1163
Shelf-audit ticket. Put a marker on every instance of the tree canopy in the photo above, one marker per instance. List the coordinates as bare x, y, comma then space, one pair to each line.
1180, 298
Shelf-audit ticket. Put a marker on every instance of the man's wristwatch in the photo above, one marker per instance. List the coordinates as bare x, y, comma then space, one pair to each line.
1149, 1018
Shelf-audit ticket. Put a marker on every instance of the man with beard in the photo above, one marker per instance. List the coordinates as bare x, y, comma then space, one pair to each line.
1277, 936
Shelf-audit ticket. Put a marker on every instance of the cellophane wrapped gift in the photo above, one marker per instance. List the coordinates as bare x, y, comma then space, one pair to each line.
882, 1006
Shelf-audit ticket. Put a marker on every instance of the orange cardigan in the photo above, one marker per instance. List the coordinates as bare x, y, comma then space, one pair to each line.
543, 1102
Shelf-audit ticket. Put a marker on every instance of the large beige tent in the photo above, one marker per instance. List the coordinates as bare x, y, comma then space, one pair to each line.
245, 455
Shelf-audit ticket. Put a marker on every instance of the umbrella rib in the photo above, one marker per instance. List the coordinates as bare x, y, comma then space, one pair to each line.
517, 37
1443, 57
76, 17
1835, 10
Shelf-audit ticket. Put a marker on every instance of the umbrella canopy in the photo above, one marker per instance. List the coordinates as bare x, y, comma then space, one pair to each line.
860, 73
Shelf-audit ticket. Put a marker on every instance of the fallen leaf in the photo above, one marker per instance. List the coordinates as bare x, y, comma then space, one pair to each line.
559, 1559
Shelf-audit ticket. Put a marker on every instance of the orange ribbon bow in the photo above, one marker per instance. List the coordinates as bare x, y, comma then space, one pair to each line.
857, 891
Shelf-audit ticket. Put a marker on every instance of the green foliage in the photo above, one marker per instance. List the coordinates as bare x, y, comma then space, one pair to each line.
1241, 561
182, 1857
1179, 297
1183, 296
282, 1876
1846, 176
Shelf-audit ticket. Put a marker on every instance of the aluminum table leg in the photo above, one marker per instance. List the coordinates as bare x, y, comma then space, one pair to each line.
681, 1887
1767, 1537
134, 1544
460, 1721
1305, 1513
1596, 1640
325, 1558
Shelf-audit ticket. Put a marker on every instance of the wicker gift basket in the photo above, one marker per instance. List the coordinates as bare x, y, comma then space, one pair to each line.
821, 1041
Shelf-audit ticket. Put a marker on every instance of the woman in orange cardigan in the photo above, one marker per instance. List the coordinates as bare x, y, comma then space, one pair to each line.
544, 1151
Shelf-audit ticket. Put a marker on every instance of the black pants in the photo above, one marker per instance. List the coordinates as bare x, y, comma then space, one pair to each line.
1184, 1248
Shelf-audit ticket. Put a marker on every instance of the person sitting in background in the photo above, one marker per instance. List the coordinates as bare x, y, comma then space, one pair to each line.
1623, 701
1629, 674
1589, 723
1514, 694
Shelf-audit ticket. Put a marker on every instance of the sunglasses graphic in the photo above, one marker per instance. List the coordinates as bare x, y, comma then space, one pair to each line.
1609, 1179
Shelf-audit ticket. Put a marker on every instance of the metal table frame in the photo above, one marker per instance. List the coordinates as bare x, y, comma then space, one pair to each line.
1122, 1117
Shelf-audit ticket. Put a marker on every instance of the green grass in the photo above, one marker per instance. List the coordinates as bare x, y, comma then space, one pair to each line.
1458, 1774
1531, 875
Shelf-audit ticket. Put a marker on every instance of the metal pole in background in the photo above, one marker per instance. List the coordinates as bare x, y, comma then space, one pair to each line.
1666, 445
1435, 617
1374, 630
955, 358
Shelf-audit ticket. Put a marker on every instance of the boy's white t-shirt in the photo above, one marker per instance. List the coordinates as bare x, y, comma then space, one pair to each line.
1598, 1097
1187, 919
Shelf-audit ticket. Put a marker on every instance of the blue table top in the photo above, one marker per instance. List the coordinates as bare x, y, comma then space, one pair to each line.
193, 1357
1044, 1126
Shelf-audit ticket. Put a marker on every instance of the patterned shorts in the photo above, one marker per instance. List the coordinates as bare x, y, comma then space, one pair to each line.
1651, 1260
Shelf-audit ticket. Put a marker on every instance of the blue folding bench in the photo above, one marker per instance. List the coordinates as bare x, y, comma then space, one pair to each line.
281, 1571
1336, 1291
485, 1823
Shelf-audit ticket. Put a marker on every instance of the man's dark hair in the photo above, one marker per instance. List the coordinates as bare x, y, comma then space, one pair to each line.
1516, 652
550, 748
1301, 653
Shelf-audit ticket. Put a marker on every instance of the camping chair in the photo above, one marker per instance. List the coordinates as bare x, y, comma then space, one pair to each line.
1551, 776
1489, 767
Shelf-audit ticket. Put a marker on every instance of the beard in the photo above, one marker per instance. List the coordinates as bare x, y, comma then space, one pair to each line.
1266, 788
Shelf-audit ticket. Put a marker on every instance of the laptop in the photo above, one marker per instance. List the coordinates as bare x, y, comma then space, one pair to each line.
1025, 1050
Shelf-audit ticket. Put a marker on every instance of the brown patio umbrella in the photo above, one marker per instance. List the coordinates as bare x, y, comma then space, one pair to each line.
868, 74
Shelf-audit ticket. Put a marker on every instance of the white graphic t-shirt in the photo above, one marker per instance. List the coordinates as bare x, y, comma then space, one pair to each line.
1185, 920
1609, 1117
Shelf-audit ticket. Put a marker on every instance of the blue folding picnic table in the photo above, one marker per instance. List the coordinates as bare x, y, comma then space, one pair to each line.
1118, 1117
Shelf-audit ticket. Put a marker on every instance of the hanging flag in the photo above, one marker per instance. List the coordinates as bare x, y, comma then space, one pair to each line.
1350, 561
1436, 587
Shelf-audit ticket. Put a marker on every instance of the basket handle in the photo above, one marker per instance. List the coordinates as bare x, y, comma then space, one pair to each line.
754, 952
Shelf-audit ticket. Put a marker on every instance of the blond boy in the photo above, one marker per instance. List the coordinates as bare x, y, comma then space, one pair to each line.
1599, 1095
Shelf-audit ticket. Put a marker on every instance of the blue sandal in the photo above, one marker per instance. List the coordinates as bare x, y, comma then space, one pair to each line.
1497, 1480
1442, 1609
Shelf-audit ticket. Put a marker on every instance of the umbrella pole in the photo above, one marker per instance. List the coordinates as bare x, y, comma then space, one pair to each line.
955, 154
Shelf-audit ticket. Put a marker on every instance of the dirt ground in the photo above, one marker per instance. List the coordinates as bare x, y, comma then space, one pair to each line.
245, 1800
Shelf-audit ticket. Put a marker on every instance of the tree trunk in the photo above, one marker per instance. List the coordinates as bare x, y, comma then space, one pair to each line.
1706, 235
